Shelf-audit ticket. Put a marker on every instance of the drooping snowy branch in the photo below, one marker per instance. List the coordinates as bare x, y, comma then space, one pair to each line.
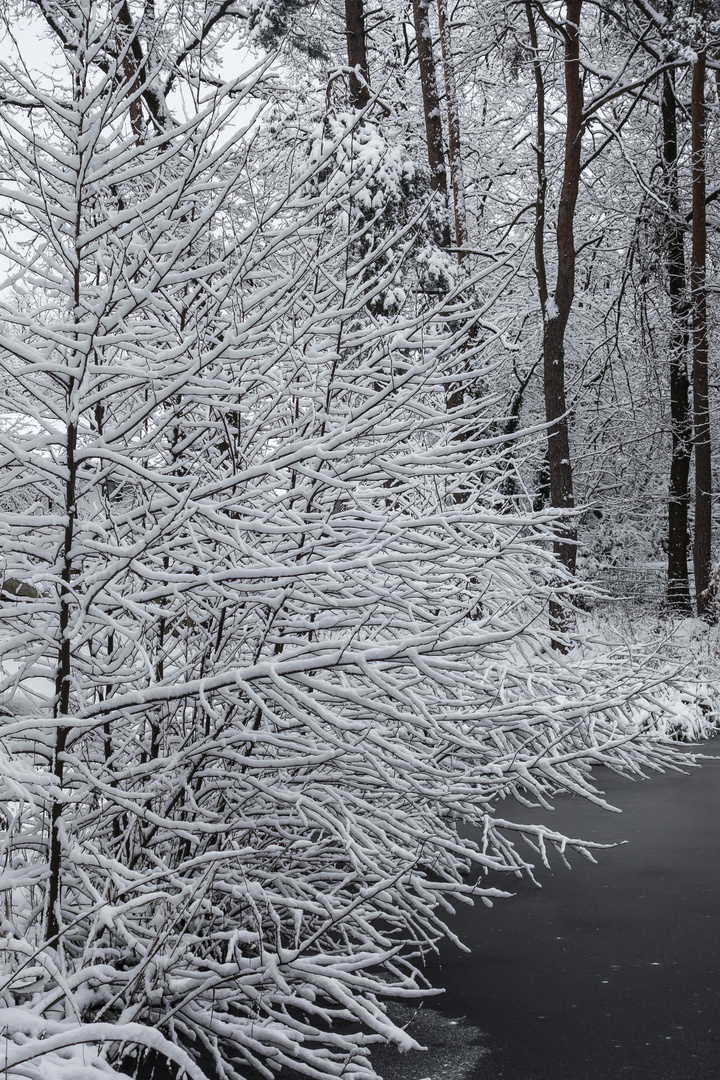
277, 630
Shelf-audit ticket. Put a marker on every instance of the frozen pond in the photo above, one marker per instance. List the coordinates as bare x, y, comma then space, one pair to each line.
609, 972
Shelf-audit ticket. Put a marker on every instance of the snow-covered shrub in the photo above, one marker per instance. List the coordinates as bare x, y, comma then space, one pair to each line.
272, 660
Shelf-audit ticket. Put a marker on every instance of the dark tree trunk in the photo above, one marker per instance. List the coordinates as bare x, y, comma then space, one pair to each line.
63, 672
134, 64
62, 690
357, 52
454, 142
130, 68
561, 481
541, 187
678, 591
542, 494
431, 104
702, 540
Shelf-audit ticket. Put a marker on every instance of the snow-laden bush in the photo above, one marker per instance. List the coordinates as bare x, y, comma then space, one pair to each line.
265, 658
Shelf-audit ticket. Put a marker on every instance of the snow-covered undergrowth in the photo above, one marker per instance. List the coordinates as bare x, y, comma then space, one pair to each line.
281, 630
684, 653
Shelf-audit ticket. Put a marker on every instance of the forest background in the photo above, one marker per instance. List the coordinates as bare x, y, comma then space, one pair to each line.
340, 349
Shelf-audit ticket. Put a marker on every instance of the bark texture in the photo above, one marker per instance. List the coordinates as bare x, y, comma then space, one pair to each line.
357, 52
431, 99
454, 141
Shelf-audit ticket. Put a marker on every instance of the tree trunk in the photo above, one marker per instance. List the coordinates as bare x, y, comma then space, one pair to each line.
541, 187
561, 482
454, 143
678, 589
134, 63
356, 52
702, 540
66, 596
130, 70
62, 685
431, 104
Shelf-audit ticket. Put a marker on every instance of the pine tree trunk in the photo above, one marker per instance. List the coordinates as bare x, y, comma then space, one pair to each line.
678, 590
702, 540
357, 52
454, 142
431, 104
561, 481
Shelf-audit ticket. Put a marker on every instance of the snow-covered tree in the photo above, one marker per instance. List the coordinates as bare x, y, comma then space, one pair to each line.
257, 657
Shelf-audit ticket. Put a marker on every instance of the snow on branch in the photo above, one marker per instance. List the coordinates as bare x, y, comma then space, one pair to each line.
279, 630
